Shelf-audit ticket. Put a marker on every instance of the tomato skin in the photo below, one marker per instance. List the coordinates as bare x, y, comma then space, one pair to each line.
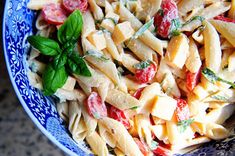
164, 17
161, 151
54, 14
142, 146
192, 79
182, 110
120, 116
225, 19
95, 107
72, 5
138, 92
145, 75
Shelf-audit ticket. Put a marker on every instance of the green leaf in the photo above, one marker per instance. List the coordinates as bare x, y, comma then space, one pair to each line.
175, 25
220, 97
134, 108
71, 29
96, 54
142, 64
142, 29
45, 45
53, 79
113, 20
154, 145
200, 18
211, 76
60, 60
77, 65
183, 125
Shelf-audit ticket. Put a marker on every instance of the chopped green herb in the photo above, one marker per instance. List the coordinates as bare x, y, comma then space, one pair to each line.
154, 145
200, 18
183, 125
143, 29
142, 64
113, 20
220, 97
134, 108
175, 25
211, 76
96, 54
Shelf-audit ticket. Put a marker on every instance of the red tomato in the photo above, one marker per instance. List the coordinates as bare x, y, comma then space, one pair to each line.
161, 151
164, 17
142, 146
71, 5
95, 106
182, 110
192, 79
137, 93
226, 19
54, 14
120, 116
145, 75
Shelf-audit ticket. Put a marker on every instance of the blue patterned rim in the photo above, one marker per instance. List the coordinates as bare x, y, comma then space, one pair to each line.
17, 25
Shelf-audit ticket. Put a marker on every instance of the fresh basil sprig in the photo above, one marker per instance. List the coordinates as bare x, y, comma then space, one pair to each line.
211, 76
142, 64
183, 125
64, 58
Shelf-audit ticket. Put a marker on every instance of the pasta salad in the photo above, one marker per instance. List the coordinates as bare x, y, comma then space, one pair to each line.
137, 77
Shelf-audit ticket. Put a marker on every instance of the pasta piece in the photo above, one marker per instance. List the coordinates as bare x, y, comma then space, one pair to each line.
97, 144
97, 39
111, 47
216, 132
88, 24
177, 51
106, 136
96, 10
193, 62
147, 37
212, 47
142, 123
140, 49
226, 45
101, 3
231, 12
37, 5
227, 29
35, 80
231, 62
129, 61
124, 140
40, 23
69, 84
77, 126
186, 6
87, 89
121, 100
147, 97
118, 152
132, 84
36, 66
160, 131
197, 36
225, 55
108, 7
65, 95
63, 111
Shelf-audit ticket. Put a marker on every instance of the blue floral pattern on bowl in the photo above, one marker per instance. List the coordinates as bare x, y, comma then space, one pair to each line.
18, 24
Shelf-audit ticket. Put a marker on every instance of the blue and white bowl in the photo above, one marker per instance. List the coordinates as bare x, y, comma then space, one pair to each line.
18, 23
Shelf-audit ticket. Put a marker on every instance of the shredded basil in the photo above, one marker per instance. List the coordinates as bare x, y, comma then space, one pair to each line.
175, 26
200, 18
220, 97
183, 125
143, 29
154, 145
134, 108
142, 64
96, 54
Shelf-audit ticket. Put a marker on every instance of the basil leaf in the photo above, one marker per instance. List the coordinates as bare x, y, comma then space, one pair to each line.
220, 97
183, 125
200, 18
71, 29
96, 54
60, 60
45, 45
142, 64
53, 79
175, 25
211, 76
142, 29
77, 65
154, 145
134, 108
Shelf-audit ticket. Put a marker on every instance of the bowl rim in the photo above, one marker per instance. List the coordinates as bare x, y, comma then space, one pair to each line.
27, 110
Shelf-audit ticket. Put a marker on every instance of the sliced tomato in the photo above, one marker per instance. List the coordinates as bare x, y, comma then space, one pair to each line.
71, 5
182, 110
192, 79
161, 151
138, 92
120, 116
54, 14
147, 74
226, 19
163, 18
95, 107
142, 146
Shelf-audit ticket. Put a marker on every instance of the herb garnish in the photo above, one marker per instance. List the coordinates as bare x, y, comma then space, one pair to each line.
143, 29
64, 58
183, 125
220, 97
154, 145
175, 25
211, 76
96, 54
142, 64
200, 18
